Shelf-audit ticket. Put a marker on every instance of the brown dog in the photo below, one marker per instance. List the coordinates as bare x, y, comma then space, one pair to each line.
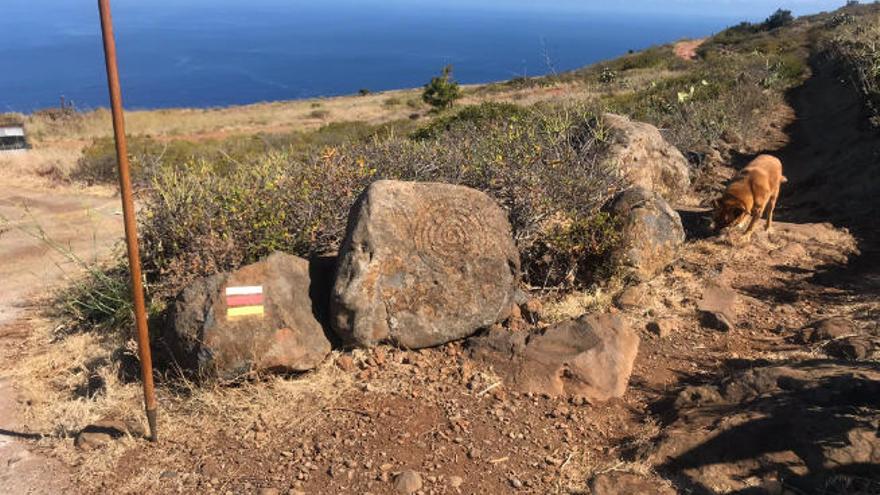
755, 190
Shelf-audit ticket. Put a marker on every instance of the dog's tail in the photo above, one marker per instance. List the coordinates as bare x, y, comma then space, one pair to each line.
784, 179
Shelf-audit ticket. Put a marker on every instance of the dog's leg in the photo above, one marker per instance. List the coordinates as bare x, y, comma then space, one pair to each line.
757, 213
769, 226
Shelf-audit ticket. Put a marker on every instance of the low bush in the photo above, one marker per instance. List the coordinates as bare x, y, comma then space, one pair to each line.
721, 102
854, 45
546, 170
98, 161
481, 116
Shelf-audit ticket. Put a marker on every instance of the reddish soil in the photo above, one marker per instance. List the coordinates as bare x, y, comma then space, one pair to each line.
83, 224
687, 50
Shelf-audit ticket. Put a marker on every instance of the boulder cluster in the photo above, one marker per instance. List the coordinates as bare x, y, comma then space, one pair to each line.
423, 264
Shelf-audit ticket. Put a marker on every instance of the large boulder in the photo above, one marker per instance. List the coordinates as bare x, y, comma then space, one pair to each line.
651, 233
259, 317
591, 357
423, 264
646, 159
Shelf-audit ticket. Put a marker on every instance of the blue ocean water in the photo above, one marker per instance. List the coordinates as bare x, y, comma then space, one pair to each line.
203, 53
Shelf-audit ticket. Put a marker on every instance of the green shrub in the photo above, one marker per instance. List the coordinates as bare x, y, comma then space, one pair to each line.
854, 46
442, 91
98, 161
100, 299
778, 19
198, 220
483, 115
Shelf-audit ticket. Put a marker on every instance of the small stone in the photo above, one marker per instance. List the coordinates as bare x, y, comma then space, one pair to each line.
532, 310
408, 482
662, 328
269, 491
345, 363
100, 434
631, 298
717, 307
858, 347
515, 312
515, 482
456, 481
832, 328
90, 441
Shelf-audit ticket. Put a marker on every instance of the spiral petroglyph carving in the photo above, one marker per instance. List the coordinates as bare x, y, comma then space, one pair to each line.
444, 231
423, 264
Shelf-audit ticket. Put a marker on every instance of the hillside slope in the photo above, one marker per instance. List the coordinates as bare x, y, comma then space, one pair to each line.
785, 401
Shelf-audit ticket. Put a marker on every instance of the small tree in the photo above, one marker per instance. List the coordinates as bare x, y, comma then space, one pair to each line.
778, 19
442, 91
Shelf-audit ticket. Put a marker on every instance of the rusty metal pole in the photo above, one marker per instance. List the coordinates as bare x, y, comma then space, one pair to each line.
131, 240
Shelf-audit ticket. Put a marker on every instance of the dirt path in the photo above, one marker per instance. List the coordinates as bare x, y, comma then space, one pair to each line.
687, 50
84, 224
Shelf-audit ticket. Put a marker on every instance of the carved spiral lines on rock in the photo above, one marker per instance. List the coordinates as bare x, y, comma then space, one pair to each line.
447, 231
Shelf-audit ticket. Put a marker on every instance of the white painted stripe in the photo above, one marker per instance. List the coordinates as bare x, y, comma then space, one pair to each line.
244, 290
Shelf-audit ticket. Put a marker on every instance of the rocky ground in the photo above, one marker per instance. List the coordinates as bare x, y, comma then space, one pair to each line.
756, 372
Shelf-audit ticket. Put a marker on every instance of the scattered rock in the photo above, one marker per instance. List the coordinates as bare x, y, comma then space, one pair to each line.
662, 327
100, 434
631, 298
619, 483
717, 307
698, 396
646, 159
793, 251
532, 310
408, 482
827, 329
275, 328
423, 264
591, 357
651, 234
345, 363
856, 347
456, 481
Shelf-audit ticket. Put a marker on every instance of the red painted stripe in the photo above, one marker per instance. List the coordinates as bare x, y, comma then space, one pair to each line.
248, 300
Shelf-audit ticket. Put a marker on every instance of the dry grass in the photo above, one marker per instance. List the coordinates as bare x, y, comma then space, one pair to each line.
52, 374
274, 117
577, 303
39, 166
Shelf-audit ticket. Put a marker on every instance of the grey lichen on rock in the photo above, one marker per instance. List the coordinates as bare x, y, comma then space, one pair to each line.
651, 233
646, 159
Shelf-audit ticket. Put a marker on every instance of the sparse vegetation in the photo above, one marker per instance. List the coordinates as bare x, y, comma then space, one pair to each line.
778, 19
201, 218
854, 43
